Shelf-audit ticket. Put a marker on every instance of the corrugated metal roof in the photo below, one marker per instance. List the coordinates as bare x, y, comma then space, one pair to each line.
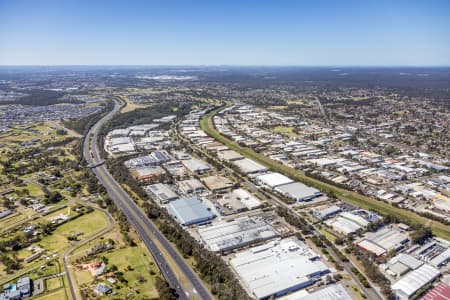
440, 292
190, 210
415, 280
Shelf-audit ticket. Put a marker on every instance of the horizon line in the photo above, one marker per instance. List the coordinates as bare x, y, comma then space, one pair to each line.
225, 65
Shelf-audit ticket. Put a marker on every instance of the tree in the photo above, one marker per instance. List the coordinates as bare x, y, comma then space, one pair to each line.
421, 235
53, 197
47, 228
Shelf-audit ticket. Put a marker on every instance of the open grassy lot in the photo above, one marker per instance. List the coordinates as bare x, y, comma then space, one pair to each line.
53, 283
87, 224
138, 276
365, 202
285, 130
139, 272
298, 102
130, 105
56, 295
22, 133
114, 234
34, 189
12, 219
278, 107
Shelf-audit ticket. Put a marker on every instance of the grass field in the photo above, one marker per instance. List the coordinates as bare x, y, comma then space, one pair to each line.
12, 219
285, 130
130, 105
122, 256
56, 295
365, 202
53, 283
142, 264
278, 107
88, 224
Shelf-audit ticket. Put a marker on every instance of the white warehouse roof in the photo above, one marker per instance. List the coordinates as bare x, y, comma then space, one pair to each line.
298, 191
331, 292
237, 233
414, 280
273, 179
248, 166
278, 267
247, 199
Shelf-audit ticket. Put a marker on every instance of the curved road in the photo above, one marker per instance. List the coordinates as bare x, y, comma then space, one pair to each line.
190, 286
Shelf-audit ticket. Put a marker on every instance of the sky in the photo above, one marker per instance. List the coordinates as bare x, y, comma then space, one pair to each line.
245, 32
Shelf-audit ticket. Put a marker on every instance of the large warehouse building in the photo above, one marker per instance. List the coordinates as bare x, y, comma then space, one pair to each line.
298, 191
249, 166
278, 267
408, 285
330, 292
225, 236
247, 199
384, 240
189, 211
195, 165
217, 183
272, 180
162, 192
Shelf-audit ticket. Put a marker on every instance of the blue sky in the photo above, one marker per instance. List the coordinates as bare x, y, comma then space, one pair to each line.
97, 32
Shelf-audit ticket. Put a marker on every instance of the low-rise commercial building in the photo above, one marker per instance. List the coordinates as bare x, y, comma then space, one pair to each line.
298, 191
225, 236
248, 166
247, 199
278, 267
229, 155
440, 292
408, 285
217, 183
400, 264
384, 240
331, 292
272, 180
149, 173
196, 165
189, 211
190, 186
161, 192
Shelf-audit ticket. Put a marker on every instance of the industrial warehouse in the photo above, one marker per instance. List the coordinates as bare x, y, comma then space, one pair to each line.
331, 292
189, 211
248, 166
384, 240
278, 267
162, 192
238, 200
408, 285
225, 236
298, 191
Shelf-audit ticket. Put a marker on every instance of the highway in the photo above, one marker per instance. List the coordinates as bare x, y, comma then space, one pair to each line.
187, 284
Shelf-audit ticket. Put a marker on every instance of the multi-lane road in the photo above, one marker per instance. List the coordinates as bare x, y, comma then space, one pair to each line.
174, 268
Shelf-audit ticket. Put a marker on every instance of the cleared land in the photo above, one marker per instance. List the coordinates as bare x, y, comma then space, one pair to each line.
287, 131
130, 106
438, 228
87, 224
53, 283
57, 295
